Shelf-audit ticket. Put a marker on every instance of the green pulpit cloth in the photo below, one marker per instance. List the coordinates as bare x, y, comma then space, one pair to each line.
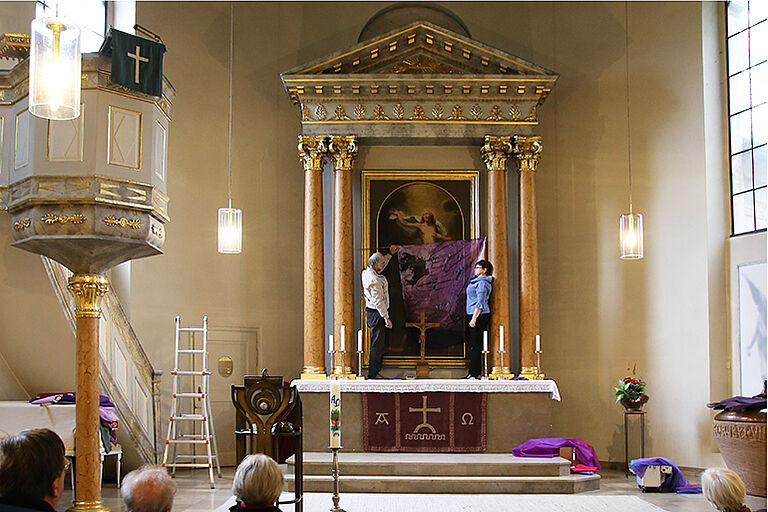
137, 63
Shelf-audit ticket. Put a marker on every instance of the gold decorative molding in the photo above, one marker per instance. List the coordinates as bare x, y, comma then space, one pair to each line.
14, 46
527, 151
87, 290
496, 151
420, 114
313, 150
122, 222
52, 218
22, 224
157, 230
343, 150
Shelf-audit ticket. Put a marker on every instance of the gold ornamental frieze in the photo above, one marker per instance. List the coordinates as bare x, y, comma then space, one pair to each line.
22, 224
52, 218
87, 189
111, 220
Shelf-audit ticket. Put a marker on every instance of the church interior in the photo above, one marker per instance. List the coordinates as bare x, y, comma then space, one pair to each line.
627, 105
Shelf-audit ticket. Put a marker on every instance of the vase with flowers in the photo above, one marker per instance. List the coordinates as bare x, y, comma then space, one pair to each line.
631, 391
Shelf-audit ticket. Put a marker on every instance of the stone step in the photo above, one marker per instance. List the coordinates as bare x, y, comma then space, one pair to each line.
433, 464
570, 484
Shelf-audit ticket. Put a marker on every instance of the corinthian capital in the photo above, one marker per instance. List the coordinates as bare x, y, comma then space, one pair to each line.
527, 153
312, 151
87, 291
495, 152
343, 149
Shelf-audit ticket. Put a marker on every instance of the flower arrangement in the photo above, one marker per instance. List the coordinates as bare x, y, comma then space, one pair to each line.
631, 391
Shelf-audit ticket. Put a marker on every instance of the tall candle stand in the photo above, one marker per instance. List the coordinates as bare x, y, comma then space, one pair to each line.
539, 375
485, 364
335, 474
340, 373
502, 375
359, 363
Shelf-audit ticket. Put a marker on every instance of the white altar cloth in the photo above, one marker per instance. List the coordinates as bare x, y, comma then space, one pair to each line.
430, 386
18, 416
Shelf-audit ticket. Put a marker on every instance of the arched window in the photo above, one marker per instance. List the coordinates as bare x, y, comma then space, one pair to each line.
747, 31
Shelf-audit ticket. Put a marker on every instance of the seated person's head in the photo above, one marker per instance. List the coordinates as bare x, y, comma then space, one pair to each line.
32, 465
723, 489
148, 489
258, 481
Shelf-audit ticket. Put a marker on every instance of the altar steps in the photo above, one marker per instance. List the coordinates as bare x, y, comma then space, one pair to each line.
442, 473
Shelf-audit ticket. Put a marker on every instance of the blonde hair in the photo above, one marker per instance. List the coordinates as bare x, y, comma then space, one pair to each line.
723, 489
258, 480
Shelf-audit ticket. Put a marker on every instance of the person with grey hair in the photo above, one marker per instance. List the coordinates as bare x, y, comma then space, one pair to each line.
257, 485
32, 469
148, 489
376, 293
724, 490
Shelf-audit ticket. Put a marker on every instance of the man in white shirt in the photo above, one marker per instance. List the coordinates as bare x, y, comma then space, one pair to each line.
376, 293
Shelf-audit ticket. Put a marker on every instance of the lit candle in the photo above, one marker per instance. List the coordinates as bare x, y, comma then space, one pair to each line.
335, 414
343, 339
359, 340
538, 343
501, 337
485, 341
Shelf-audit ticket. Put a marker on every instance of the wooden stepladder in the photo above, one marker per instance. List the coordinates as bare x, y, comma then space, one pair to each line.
198, 383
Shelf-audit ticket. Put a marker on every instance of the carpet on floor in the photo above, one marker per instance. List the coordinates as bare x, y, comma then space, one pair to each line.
353, 502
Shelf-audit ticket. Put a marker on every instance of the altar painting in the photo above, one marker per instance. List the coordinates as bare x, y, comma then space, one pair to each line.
416, 208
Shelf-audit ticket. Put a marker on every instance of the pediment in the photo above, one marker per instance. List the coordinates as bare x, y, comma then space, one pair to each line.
420, 80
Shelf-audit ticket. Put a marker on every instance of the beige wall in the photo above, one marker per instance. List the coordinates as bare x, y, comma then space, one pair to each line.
666, 312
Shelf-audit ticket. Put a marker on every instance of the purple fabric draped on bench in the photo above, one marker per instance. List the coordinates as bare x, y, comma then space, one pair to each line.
550, 447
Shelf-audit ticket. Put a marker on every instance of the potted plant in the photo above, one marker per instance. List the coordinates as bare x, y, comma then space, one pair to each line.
631, 391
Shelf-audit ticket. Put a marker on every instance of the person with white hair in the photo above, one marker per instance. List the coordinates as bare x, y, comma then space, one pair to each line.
257, 485
724, 490
148, 489
376, 293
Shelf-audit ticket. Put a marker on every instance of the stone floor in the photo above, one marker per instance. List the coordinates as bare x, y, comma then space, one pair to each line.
194, 495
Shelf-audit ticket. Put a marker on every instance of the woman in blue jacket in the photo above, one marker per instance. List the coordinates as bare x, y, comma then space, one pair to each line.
478, 313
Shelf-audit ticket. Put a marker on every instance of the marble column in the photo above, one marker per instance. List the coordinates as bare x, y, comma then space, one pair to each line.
87, 291
343, 150
527, 151
496, 151
312, 153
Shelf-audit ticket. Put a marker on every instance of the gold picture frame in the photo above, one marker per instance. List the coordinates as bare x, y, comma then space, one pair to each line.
457, 188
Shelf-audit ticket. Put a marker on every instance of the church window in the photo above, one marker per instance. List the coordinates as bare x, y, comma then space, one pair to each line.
89, 15
747, 43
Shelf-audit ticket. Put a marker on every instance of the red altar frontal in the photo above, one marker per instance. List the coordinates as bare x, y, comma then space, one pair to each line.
429, 415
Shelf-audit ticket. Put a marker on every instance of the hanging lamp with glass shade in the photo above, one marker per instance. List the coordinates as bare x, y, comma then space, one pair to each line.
230, 219
54, 69
630, 224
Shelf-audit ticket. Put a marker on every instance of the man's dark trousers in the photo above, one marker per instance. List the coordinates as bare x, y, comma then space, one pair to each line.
378, 328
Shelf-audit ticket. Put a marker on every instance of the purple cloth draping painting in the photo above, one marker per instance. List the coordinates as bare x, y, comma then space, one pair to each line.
434, 278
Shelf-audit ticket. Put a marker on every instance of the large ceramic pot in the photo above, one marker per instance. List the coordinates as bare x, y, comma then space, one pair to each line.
740, 436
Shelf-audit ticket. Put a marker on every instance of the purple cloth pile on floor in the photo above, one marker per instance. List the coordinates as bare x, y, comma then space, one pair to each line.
550, 447
670, 482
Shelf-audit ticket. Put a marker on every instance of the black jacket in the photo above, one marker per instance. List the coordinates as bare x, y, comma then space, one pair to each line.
23, 503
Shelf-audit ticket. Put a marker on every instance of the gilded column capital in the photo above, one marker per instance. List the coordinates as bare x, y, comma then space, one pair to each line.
495, 152
313, 149
87, 291
343, 149
527, 152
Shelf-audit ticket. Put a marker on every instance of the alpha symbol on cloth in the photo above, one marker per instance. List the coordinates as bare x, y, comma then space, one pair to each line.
381, 417
138, 58
424, 410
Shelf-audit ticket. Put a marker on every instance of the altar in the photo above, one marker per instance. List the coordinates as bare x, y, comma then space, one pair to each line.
515, 410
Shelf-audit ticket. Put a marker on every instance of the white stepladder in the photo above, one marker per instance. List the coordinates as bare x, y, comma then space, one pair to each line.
200, 378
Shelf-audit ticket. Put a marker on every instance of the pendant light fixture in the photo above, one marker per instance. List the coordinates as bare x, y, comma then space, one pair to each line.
630, 224
54, 69
230, 219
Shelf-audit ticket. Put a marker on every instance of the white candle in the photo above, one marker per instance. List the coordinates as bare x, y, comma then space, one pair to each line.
359, 340
330, 343
501, 337
538, 343
343, 339
335, 414
485, 341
